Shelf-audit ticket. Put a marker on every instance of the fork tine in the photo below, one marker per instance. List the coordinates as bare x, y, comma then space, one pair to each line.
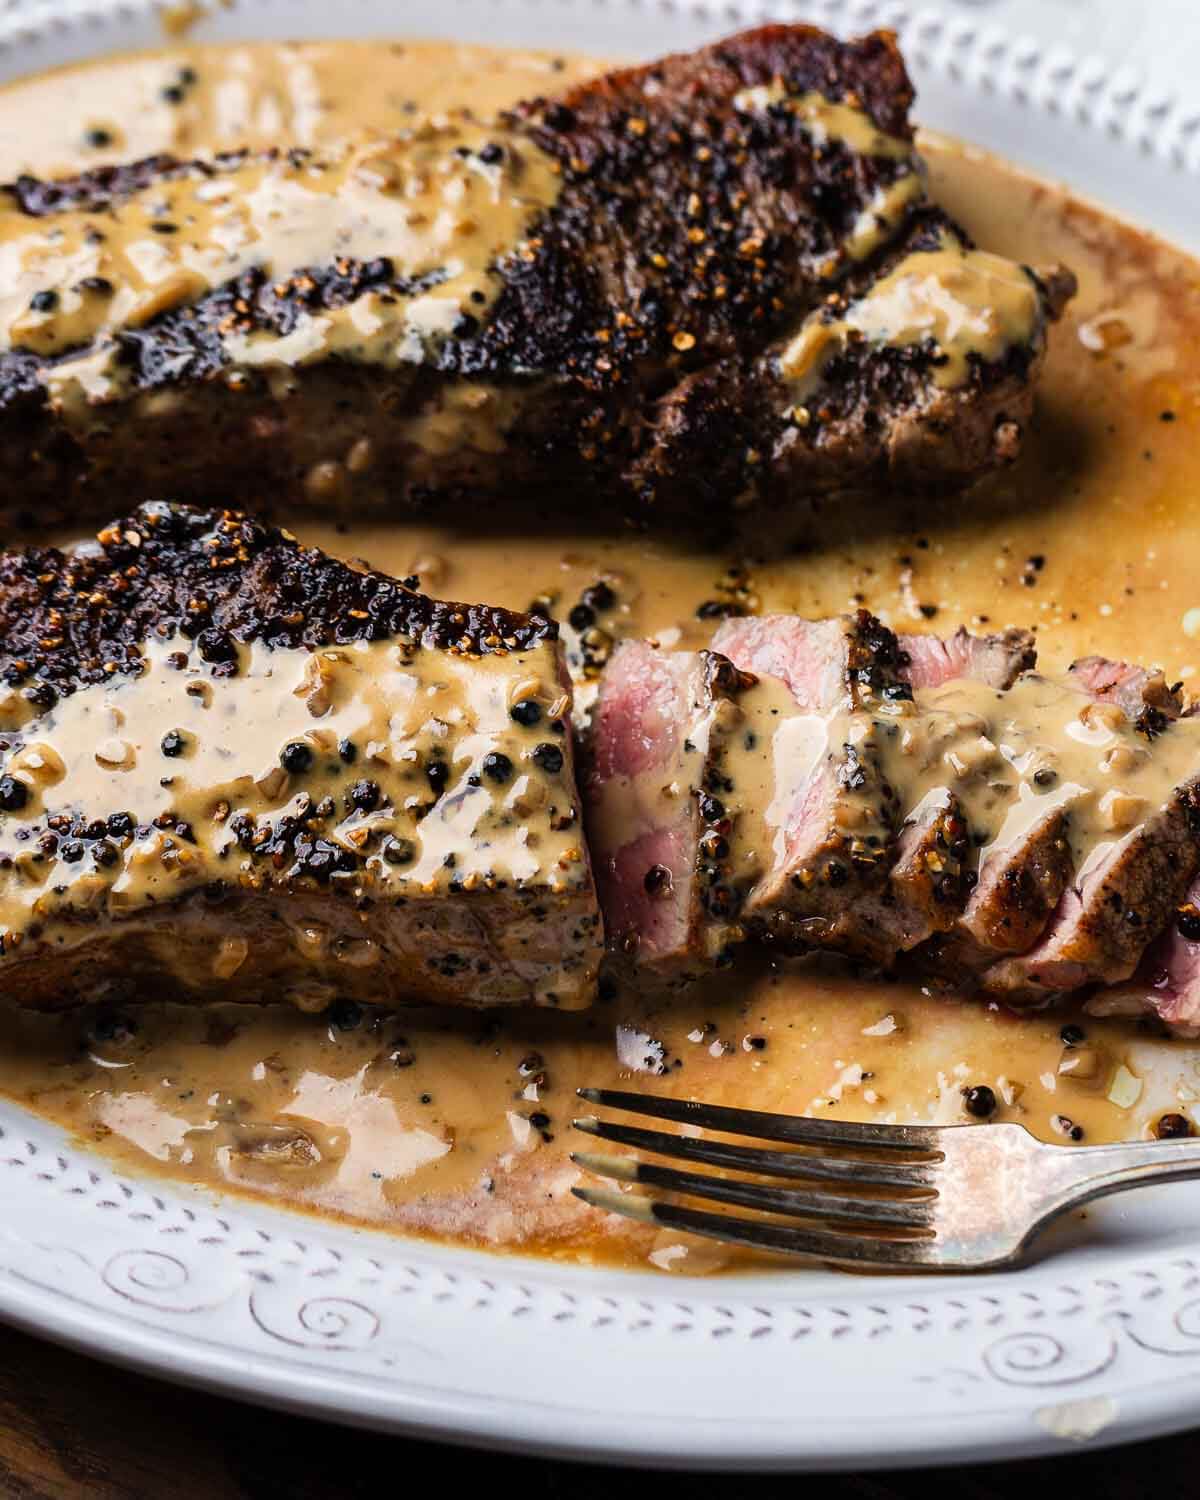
911, 1213
821, 1244
769, 1127
855, 1171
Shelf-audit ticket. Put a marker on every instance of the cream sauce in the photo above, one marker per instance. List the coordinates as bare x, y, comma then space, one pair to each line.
438, 1123
968, 303
352, 730
1042, 746
447, 202
846, 123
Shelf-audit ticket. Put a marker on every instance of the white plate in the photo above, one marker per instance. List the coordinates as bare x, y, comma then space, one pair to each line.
1100, 1342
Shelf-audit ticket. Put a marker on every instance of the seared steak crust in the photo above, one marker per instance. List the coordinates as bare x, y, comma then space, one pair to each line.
68, 619
879, 419
630, 342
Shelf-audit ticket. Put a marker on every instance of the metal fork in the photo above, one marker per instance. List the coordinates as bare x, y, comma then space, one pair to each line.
948, 1198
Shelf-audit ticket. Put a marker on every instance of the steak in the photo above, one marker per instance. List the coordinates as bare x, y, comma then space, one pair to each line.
829, 830
657, 825
935, 804
1114, 907
997, 660
905, 849
671, 290
1167, 982
1105, 913
226, 759
931, 881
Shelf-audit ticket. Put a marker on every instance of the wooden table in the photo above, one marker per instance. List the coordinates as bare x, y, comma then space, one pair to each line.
73, 1429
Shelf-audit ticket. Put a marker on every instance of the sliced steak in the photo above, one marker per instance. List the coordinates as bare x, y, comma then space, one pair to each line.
858, 400
1167, 982
663, 292
930, 881
1027, 868
828, 834
232, 766
1123, 895
1114, 907
997, 660
1141, 693
657, 825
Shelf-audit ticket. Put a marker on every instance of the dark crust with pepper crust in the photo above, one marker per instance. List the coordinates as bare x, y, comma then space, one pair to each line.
68, 619
1099, 935
686, 234
877, 420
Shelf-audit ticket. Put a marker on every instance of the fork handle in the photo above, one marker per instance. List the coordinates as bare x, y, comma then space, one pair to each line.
1071, 1178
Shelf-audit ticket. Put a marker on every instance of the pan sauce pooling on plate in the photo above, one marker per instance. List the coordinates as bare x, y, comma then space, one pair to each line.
459, 1125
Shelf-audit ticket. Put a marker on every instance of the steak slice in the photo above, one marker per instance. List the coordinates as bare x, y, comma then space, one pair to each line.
232, 766
1126, 889
828, 834
876, 390
1028, 865
656, 822
932, 876
1167, 982
1113, 908
662, 291
1141, 693
997, 660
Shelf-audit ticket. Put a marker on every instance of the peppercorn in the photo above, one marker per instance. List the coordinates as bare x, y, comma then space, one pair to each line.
43, 302
120, 825
600, 596
437, 773
97, 138
1072, 1035
1188, 923
173, 743
491, 153
527, 713
581, 617
657, 881
364, 795
497, 767
14, 794
216, 646
71, 851
1172, 1127
558, 117
348, 751
979, 1100
548, 757
296, 757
